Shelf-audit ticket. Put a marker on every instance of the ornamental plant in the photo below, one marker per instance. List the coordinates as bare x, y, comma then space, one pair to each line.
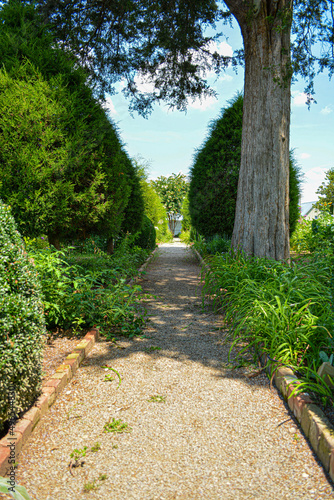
21, 323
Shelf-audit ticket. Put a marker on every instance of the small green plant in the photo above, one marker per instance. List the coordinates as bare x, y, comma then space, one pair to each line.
152, 348
103, 477
116, 426
115, 446
77, 455
108, 378
157, 399
325, 359
115, 371
90, 486
95, 447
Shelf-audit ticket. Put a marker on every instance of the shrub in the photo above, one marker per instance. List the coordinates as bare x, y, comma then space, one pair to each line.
147, 236
21, 322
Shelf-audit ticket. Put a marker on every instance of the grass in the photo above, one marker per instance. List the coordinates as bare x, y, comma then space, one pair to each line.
157, 399
116, 426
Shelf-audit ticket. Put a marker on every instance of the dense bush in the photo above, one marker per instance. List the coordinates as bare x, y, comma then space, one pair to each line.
83, 289
146, 238
64, 170
215, 174
315, 235
21, 321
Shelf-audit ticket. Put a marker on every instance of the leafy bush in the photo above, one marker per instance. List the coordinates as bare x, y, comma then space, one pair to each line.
21, 322
315, 235
146, 238
81, 290
211, 246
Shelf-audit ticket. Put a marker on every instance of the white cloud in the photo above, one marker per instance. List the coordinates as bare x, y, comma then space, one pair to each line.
203, 104
109, 106
326, 110
223, 48
304, 156
299, 98
312, 180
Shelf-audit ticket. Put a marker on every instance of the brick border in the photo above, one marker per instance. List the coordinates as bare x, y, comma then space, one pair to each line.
314, 423
50, 391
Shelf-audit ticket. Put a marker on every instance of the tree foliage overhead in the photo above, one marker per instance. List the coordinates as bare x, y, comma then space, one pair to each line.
167, 42
215, 174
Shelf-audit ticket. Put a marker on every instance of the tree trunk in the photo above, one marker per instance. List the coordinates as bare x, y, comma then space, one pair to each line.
261, 225
53, 239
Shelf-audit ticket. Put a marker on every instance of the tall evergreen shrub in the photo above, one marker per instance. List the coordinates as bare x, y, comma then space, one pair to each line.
21, 323
215, 174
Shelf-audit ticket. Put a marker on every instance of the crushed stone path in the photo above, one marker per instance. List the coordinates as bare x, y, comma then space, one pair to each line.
197, 428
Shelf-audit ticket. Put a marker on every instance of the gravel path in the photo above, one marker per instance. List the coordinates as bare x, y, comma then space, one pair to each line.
198, 430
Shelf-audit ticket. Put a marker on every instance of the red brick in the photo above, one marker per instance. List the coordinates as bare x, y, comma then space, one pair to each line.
24, 427
42, 404
34, 415
51, 394
73, 363
298, 404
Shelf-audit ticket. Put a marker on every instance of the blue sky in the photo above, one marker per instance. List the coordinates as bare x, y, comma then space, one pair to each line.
167, 140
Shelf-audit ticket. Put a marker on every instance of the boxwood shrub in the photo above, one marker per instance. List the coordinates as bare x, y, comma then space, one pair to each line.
22, 326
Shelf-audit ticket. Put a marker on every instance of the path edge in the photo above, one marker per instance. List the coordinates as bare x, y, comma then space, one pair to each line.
316, 427
11, 444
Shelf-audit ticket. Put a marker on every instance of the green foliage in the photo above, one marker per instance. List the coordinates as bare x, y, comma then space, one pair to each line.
215, 175
326, 192
83, 290
146, 238
64, 169
212, 246
114, 42
287, 312
117, 426
153, 206
19, 493
315, 235
172, 191
185, 212
21, 323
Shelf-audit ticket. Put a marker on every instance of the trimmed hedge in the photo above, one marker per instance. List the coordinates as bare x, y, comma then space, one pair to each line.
21, 323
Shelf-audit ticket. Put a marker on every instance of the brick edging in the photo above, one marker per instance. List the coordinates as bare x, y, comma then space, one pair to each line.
314, 423
51, 388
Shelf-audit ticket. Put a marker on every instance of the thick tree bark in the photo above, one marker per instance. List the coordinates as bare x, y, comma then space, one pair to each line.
261, 225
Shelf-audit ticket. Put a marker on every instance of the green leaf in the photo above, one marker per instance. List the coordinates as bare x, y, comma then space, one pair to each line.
20, 492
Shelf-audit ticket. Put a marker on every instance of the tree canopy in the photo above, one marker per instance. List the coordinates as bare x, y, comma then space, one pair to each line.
168, 42
172, 191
